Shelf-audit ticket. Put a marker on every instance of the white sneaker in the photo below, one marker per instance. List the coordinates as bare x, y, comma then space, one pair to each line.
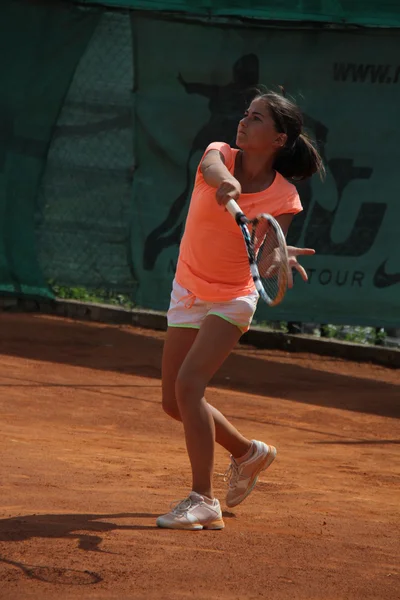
243, 477
193, 513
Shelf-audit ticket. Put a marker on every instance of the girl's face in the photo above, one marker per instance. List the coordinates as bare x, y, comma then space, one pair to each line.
257, 132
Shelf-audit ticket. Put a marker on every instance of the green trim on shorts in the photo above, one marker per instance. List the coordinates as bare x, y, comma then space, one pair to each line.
184, 325
243, 328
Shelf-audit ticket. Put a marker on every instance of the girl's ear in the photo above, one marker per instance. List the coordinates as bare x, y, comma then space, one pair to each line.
280, 140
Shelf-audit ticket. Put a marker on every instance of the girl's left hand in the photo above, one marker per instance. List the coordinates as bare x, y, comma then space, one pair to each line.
293, 253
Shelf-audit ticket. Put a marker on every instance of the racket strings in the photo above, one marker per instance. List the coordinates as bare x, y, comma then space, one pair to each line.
271, 259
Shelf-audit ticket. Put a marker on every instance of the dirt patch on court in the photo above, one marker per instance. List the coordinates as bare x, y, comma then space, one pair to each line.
88, 460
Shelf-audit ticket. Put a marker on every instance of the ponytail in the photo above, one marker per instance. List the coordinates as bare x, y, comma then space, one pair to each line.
299, 159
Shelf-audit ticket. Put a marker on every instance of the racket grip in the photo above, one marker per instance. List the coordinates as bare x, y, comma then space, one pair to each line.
234, 209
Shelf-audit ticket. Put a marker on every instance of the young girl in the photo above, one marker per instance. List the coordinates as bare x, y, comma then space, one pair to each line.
213, 298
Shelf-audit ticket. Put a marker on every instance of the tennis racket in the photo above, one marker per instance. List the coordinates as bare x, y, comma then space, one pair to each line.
267, 253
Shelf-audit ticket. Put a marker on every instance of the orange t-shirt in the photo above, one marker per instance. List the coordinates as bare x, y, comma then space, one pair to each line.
213, 263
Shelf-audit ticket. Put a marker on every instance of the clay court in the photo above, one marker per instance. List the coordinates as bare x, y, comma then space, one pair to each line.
89, 460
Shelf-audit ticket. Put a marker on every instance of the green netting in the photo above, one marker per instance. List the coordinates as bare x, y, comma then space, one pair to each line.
85, 199
375, 13
40, 46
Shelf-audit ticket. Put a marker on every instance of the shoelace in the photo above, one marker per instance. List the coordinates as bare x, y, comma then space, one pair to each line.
189, 299
231, 475
182, 507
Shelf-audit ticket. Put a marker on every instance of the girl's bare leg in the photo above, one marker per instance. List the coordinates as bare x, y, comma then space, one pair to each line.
211, 346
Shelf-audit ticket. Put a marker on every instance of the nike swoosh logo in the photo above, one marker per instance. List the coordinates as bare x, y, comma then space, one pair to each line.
383, 279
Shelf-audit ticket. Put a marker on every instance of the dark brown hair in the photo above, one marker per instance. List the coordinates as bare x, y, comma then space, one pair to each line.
299, 159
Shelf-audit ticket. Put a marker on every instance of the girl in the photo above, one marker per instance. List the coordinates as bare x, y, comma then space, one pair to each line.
213, 298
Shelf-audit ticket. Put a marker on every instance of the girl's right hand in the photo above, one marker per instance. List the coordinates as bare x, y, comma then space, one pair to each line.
229, 189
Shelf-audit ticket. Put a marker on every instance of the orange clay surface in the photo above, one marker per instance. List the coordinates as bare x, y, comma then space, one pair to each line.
88, 460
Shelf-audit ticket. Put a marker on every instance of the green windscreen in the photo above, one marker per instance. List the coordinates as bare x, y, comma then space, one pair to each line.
41, 44
373, 13
105, 115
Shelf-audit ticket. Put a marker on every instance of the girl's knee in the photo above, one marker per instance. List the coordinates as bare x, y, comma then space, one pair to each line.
188, 385
170, 407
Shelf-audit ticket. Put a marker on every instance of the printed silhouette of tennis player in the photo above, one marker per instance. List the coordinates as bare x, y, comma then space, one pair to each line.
227, 104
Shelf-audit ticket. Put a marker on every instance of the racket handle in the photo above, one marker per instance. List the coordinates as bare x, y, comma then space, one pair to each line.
234, 209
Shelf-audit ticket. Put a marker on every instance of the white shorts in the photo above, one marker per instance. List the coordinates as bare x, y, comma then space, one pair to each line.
185, 310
